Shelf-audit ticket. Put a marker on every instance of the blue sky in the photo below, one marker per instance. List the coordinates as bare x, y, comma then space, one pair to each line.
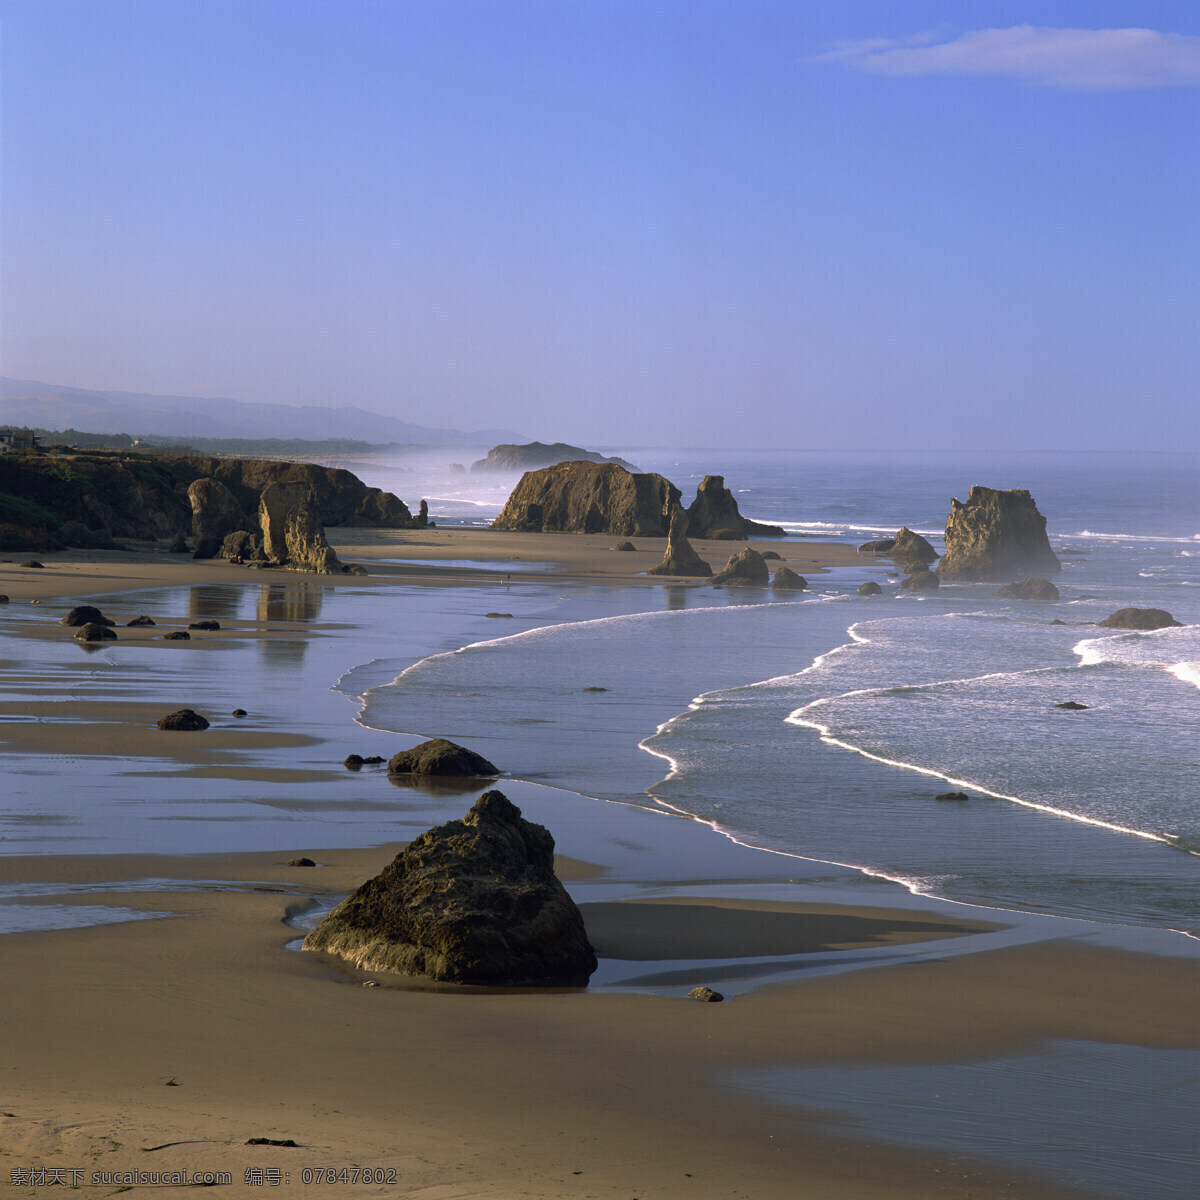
815, 223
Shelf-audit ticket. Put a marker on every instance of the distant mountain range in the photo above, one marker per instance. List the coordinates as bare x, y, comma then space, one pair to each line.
28, 402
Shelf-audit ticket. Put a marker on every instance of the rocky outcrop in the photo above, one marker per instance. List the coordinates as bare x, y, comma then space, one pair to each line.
746, 568
292, 534
75, 535
921, 581
714, 514
680, 558
1042, 591
879, 546
582, 497
215, 514
1140, 618
440, 757
786, 580
95, 632
473, 901
534, 455
909, 547
870, 589
242, 547
996, 535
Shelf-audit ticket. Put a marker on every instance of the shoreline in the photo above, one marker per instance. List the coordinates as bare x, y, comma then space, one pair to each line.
261, 1043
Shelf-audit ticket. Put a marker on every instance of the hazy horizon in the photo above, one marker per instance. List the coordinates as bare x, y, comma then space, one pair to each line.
725, 223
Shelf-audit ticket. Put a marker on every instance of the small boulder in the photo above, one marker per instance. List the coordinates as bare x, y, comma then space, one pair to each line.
770, 555
179, 635
93, 631
786, 580
870, 589
499, 616
879, 546
1042, 591
32, 562
958, 797
920, 581
138, 621
705, 995
240, 712
3, 598
373, 759
909, 547
353, 762
746, 568
440, 757
301, 862
183, 720
210, 626
85, 614
624, 546
1140, 618
1071, 706
473, 901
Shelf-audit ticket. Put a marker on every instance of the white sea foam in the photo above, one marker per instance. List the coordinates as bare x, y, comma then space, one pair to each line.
1132, 537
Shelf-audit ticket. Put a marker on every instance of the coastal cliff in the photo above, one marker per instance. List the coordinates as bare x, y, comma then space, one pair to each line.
583, 497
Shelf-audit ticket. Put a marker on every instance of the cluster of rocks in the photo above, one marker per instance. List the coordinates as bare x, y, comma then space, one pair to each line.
91, 625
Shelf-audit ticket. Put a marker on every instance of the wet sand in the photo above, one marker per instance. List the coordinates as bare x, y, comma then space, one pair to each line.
164, 1044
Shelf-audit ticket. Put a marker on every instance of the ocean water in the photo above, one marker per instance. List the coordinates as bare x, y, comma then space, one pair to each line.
825, 725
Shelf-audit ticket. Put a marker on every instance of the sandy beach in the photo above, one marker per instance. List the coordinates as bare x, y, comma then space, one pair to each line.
166, 1044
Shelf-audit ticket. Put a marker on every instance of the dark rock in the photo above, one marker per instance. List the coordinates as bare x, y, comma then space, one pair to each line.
680, 558
533, 455
623, 546
1040, 590
472, 901
440, 757
921, 581
143, 620
183, 720
373, 759
956, 796
583, 497
85, 614
179, 545
95, 632
77, 536
746, 568
870, 589
909, 547
916, 568
3, 598
499, 616
292, 533
770, 555
300, 862
1056, 621
241, 546
714, 514
32, 562
353, 761
1072, 705
786, 580
179, 635
595, 689
1139, 618
216, 513
240, 712
210, 626
996, 535
705, 994
879, 546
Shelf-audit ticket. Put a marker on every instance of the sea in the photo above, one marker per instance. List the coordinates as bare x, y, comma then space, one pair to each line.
825, 725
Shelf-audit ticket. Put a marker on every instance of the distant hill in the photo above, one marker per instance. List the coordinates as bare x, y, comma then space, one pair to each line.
534, 455
28, 402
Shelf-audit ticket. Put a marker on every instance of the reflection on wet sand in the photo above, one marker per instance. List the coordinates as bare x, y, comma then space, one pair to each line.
215, 602
280, 602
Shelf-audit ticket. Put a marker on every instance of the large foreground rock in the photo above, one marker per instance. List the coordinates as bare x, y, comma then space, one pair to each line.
786, 580
215, 514
583, 497
1140, 618
996, 535
472, 901
292, 534
746, 568
714, 514
85, 614
440, 757
680, 558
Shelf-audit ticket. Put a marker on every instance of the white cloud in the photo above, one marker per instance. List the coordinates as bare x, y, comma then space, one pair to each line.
1093, 59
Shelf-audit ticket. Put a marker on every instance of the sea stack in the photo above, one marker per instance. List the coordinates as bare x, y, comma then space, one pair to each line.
680, 558
996, 536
